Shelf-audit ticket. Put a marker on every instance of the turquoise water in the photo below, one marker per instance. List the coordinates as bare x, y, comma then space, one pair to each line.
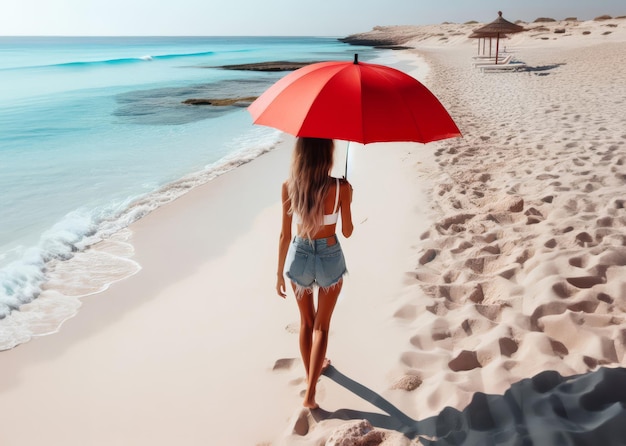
93, 134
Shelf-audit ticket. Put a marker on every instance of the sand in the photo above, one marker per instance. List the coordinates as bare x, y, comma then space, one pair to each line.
493, 313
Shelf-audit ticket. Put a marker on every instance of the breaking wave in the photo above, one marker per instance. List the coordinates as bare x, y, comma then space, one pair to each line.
87, 251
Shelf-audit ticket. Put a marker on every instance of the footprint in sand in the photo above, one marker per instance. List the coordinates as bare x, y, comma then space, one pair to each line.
579, 262
283, 364
320, 391
584, 306
585, 281
605, 298
293, 328
563, 289
466, 360
507, 346
428, 256
297, 381
437, 308
567, 229
302, 422
584, 239
550, 243
407, 312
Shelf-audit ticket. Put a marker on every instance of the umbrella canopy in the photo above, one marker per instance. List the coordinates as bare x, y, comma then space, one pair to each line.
353, 101
499, 27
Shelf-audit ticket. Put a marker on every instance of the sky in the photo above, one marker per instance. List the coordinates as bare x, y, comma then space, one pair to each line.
337, 18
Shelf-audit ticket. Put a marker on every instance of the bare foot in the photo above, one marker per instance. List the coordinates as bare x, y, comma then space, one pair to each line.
325, 364
309, 399
311, 404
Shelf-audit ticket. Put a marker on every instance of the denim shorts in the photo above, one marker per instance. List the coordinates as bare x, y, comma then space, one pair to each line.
314, 262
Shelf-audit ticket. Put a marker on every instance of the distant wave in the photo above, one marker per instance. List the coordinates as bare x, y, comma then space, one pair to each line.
112, 62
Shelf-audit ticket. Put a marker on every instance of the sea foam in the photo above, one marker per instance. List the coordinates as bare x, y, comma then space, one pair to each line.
87, 251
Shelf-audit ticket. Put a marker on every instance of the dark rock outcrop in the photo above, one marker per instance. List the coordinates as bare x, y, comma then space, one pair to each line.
266, 66
242, 102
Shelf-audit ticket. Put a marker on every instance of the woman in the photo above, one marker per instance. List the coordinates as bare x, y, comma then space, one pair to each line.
313, 258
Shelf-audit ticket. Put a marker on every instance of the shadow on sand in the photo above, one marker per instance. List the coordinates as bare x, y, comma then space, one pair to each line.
394, 420
542, 70
546, 410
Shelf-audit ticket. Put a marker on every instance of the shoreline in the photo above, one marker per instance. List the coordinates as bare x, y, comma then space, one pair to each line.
105, 257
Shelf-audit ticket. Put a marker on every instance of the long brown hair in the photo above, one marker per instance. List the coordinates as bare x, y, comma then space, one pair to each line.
308, 181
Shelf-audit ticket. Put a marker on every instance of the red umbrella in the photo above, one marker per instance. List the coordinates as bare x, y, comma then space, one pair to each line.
353, 101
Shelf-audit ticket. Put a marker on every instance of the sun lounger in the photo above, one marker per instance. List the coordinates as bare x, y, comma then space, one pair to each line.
485, 58
504, 61
510, 66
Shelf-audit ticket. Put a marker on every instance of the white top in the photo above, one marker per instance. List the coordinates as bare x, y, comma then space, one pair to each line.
329, 219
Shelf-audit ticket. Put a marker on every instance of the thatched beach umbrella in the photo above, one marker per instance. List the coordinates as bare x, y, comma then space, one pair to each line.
499, 27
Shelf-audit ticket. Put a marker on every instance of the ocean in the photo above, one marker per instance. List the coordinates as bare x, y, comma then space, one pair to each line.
94, 135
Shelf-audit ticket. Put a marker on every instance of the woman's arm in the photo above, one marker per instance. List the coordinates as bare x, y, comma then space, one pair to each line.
345, 199
283, 242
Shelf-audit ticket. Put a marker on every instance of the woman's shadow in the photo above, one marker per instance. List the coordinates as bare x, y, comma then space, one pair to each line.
449, 427
546, 409
394, 419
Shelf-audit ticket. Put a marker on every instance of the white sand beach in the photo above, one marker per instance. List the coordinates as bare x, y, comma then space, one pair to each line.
504, 271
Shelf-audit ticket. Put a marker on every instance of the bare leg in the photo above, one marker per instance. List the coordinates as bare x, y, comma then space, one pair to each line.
307, 319
326, 304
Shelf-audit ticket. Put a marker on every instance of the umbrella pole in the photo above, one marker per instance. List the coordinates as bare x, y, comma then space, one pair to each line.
497, 47
345, 175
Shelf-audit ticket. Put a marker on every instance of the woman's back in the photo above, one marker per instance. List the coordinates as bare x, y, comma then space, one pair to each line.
332, 208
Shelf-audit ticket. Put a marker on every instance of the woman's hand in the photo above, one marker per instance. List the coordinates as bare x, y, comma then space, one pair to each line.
280, 286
